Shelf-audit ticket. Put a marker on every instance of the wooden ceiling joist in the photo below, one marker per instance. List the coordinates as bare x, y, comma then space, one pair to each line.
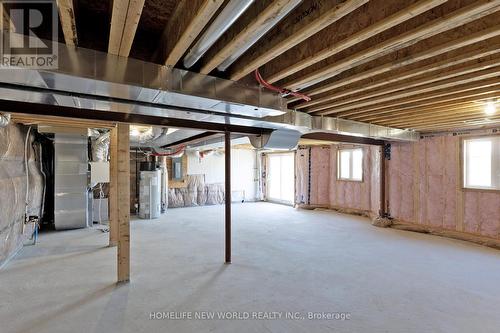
448, 22
440, 101
480, 36
189, 19
427, 112
124, 20
407, 88
458, 122
68, 22
490, 73
466, 90
419, 71
261, 58
372, 30
437, 115
244, 37
29, 119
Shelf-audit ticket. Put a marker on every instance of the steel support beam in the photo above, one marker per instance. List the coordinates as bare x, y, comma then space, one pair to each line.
342, 138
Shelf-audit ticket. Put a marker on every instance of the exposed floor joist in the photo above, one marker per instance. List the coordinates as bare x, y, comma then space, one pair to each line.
68, 23
124, 21
372, 30
188, 20
404, 75
459, 84
457, 18
364, 60
418, 85
245, 36
448, 101
426, 112
468, 91
479, 38
283, 44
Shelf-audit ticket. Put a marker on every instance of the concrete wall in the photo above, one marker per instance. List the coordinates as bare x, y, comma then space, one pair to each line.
317, 184
243, 163
424, 188
13, 189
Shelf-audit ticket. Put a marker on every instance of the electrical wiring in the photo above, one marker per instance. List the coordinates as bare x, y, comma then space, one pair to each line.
284, 91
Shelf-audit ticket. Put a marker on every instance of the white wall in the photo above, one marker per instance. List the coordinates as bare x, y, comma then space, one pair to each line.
243, 173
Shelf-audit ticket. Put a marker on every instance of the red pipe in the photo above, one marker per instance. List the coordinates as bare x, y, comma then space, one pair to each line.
269, 86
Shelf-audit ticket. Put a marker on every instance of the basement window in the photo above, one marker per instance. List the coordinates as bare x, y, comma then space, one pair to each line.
350, 164
482, 163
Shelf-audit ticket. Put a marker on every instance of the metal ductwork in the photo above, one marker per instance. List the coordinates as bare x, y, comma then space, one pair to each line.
4, 119
112, 87
278, 139
231, 12
259, 33
85, 75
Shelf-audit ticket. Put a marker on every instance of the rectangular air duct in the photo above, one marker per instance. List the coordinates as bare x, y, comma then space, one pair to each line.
71, 179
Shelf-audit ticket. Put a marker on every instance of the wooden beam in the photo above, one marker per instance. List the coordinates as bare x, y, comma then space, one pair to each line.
475, 38
485, 88
465, 82
68, 23
432, 114
244, 37
436, 101
124, 21
60, 121
396, 77
283, 45
187, 22
123, 173
415, 86
372, 30
425, 113
460, 122
457, 18
113, 187
472, 113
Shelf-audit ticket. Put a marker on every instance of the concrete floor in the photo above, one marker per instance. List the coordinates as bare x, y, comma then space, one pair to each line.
284, 260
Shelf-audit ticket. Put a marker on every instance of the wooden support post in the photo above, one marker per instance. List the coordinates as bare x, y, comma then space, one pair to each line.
113, 187
123, 172
227, 153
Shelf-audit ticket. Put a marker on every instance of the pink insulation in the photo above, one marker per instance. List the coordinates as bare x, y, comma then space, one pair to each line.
324, 188
425, 188
348, 194
375, 153
400, 182
482, 213
320, 175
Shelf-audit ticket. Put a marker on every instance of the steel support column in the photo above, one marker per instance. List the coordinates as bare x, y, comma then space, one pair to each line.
227, 153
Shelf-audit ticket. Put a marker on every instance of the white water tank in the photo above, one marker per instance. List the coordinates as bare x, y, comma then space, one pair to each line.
150, 194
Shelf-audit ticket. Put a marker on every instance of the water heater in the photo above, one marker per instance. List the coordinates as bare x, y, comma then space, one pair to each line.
150, 194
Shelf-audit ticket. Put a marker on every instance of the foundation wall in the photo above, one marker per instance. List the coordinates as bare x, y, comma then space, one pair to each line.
317, 184
424, 188
13, 189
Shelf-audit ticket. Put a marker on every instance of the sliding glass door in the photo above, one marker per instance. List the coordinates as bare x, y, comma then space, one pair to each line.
281, 177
